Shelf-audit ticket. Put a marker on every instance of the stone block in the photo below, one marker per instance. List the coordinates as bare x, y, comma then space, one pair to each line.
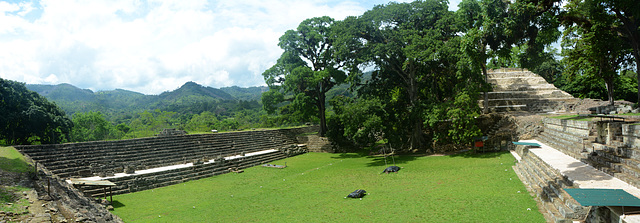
85, 173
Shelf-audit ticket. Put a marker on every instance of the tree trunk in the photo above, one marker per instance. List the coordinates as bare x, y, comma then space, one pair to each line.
609, 85
485, 102
321, 110
416, 138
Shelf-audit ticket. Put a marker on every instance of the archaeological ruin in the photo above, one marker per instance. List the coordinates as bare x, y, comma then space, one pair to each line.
596, 149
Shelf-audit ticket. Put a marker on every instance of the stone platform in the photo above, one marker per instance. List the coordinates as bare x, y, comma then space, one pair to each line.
547, 171
516, 89
147, 163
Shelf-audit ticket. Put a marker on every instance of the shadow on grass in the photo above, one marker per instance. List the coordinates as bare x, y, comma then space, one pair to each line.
377, 160
117, 204
390, 161
14, 165
474, 154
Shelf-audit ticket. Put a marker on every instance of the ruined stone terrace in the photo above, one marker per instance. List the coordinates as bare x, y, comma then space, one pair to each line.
582, 154
128, 162
516, 89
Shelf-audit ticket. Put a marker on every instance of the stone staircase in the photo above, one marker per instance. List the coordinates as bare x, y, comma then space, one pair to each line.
108, 157
522, 90
568, 136
612, 147
105, 159
139, 182
319, 144
548, 185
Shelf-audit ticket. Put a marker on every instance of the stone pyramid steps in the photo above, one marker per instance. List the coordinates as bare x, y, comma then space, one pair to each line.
522, 90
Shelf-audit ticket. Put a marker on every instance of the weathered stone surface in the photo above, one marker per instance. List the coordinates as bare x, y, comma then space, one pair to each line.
85, 173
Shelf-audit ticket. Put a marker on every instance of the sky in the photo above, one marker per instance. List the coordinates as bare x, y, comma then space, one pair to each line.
152, 46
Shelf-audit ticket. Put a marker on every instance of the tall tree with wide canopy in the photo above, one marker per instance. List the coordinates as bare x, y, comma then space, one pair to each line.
623, 18
28, 117
306, 71
484, 26
414, 48
591, 47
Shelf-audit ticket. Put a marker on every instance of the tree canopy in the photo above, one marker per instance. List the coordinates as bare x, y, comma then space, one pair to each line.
29, 118
419, 74
306, 71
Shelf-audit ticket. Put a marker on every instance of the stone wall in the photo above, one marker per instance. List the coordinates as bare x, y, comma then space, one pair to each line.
548, 186
522, 90
568, 136
146, 181
104, 158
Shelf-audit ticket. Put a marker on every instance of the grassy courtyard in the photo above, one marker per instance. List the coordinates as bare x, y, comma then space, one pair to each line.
459, 188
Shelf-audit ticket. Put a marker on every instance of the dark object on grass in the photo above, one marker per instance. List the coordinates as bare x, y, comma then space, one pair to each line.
391, 169
357, 194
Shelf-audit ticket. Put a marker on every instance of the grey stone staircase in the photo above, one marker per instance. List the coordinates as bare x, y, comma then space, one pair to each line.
548, 185
106, 157
522, 90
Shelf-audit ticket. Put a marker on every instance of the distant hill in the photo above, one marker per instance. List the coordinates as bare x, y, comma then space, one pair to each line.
246, 94
190, 98
64, 92
192, 88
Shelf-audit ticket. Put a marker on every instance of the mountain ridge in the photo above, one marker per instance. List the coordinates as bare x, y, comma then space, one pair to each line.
120, 102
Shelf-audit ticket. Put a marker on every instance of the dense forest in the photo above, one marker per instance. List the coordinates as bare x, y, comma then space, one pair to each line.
389, 75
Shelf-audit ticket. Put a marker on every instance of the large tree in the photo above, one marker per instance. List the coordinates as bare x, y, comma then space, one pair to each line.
485, 33
622, 16
591, 47
306, 71
415, 50
28, 117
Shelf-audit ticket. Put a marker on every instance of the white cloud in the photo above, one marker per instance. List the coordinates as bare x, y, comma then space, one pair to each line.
151, 46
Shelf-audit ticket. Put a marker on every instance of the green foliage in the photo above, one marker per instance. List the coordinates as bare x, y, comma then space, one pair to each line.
465, 188
12, 199
245, 94
586, 86
305, 72
591, 47
92, 126
204, 122
462, 112
28, 117
420, 66
148, 123
360, 122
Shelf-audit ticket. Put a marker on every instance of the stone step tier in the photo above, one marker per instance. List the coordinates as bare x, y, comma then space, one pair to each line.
548, 185
147, 181
108, 157
522, 90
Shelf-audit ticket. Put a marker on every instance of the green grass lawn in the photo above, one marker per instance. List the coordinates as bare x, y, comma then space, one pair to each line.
11, 199
11, 160
571, 117
463, 188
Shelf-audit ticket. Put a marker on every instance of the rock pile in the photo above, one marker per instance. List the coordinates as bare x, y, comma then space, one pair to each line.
171, 132
293, 150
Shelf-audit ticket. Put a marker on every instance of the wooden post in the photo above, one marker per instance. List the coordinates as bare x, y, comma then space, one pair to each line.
104, 190
111, 194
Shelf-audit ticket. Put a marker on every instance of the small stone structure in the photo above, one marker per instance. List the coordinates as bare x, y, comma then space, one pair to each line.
610, 146
293, 150
516, 89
